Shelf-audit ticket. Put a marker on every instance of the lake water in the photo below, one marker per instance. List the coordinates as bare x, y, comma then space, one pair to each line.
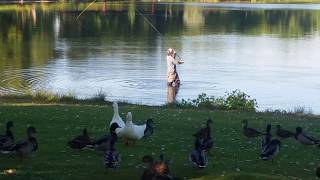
269, 51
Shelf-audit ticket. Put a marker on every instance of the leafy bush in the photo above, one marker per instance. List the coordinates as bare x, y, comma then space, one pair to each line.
236, 100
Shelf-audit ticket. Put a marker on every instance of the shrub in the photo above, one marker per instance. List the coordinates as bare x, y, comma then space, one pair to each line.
236, 100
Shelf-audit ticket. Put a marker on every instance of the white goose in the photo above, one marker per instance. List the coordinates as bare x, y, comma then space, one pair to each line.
117, 119
136, 132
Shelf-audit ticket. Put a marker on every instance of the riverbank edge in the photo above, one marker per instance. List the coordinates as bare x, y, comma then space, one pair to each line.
99, 100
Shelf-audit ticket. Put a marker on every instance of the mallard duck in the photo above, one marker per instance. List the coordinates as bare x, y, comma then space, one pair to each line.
318, 172
271, 150
81, 141
283, 134
26, 146
267, 138
111, 156
117, 119
148, 168
305, 138
205, 135
7, 140
106, 142
250, 132
199, 156
136, 132
158, 170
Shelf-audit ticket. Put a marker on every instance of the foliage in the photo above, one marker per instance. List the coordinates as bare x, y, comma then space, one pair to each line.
236, 100
42, 97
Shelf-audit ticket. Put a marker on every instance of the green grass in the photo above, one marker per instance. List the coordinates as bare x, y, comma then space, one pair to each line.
234, 157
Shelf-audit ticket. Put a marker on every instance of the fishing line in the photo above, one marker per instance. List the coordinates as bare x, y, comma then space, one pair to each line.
145, 18
161, 35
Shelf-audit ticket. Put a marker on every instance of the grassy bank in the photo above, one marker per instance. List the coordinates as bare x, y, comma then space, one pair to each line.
233, 157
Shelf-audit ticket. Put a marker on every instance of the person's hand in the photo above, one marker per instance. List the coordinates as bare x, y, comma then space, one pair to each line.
181, 62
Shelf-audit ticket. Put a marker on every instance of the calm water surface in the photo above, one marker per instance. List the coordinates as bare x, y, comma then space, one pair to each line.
270, 51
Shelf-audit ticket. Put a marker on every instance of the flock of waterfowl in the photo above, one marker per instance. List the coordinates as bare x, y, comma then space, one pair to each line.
130, 132
21, 147
270, 147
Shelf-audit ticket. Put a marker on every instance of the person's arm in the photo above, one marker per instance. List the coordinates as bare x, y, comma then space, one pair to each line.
176, 61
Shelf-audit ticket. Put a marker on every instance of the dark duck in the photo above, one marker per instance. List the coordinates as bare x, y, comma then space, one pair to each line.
158, 170
304, 138
199, 155
267, 138
26, 146
80, 141
283, 134
106, 142
270, 147
111, 156
7, 140
205, 135
250, 132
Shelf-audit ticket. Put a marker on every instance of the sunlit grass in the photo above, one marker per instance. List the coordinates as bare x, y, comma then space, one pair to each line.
233, 157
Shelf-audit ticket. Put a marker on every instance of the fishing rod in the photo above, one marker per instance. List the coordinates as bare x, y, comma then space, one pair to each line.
161, 36
85, 9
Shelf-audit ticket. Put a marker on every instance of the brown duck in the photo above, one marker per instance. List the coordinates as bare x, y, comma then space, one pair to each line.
250, 132
283, 134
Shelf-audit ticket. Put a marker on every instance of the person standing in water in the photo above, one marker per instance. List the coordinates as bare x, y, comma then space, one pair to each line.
172, 74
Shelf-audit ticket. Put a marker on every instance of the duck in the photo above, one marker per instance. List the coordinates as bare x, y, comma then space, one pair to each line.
7, 140
271, 150
80, 141
117, 119
148, 171
267, 138
305, 138
283, 134
199, 155
318, 172
135, 132
158, 170
250, 132
111, 156
205, 133
26, 146
106, 142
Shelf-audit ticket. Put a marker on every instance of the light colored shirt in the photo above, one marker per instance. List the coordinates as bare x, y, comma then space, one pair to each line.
171, 65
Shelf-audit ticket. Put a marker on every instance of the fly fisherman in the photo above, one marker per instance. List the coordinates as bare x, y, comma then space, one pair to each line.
172, 74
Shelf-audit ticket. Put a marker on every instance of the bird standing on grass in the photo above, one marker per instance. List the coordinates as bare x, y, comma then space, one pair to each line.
205, 134
106, 142
7, 140
304, 138
269, 148
250, 132
267, 138
117, 119
111, 156
158, 170
283, 134
318, 172
80, 141
132, 132
26, 146
199, 155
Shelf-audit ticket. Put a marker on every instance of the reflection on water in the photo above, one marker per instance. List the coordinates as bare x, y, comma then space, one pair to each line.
172, 92
268, 51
